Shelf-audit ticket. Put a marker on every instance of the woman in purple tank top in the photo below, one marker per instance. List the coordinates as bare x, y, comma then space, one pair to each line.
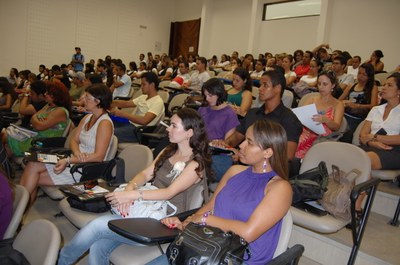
251, 200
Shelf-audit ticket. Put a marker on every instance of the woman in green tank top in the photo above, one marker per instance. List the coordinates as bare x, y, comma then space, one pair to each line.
239, 96
50, 121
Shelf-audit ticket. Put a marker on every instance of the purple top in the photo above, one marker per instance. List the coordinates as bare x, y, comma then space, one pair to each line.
218, 122
238, 200
6, 205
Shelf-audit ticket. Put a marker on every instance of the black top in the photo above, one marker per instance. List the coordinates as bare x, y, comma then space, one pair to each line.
281, 114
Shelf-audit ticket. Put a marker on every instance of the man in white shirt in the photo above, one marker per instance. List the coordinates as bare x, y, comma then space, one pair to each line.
149, 109
353, 68
198, 77
122, 82
338, 65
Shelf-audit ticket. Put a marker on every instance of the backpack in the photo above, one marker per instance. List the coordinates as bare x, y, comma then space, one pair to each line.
310, 185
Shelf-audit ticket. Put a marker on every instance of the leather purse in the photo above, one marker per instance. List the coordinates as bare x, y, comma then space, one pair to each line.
207, 245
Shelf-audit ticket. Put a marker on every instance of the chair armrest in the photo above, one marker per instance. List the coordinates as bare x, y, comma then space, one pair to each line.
147, 230
368, 187
49, 142
94, 170
157, 136
289, 257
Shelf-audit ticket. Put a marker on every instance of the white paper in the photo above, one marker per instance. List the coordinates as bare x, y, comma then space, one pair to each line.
305, 113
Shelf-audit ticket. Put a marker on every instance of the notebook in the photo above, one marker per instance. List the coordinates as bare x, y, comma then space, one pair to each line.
44, 157
78, 191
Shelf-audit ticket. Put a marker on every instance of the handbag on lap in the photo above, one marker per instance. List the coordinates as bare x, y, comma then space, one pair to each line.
207, 245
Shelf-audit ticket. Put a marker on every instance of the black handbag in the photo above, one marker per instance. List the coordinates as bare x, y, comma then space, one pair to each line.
206, 245
311, 184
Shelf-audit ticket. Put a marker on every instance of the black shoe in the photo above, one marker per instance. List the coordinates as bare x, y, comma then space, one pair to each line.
358, 219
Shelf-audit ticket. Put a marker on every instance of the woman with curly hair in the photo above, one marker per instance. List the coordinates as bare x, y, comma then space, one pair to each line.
188, 149
50, 121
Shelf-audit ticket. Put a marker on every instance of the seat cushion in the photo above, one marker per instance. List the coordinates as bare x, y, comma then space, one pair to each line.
53, 192
322, 224
135, 255
385, 174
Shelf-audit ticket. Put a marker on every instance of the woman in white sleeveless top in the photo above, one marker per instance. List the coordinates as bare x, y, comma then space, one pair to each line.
90, 143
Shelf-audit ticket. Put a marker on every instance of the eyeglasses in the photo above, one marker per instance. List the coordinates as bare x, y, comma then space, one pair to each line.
89, 97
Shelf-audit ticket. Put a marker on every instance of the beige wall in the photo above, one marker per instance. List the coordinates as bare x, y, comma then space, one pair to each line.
45, 31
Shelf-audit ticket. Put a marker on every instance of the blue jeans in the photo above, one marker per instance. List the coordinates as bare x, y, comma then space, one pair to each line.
125, 132
220, 164
97, 237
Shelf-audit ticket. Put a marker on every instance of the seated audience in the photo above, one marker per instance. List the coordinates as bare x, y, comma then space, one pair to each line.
61, 75
250, 201
198, 77
148, 110
142, 69
376, 62
380, 135
344, 80
304, 67
90, 143
23, 83
298, 58
32, 102
271, 89
358, 99
259, 69
308, 82
355, 65
78, 86
290, 75
330, 112
189, 145
50, 121
240, 97
166, 70
122, 82
220, 121
13, 78
322, 56
7, 95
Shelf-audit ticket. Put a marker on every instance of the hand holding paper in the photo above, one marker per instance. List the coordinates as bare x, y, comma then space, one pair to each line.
305, 115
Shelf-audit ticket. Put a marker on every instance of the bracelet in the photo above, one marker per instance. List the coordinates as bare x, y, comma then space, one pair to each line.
140, 196
136, 185
204, 218
68, 161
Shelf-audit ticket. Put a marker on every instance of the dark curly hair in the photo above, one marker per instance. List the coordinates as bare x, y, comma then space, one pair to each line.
60, 94
198, 142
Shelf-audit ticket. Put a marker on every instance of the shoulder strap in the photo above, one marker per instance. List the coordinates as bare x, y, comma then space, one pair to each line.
206, 193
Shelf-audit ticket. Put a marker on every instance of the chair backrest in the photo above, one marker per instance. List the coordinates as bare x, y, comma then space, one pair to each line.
344, 155
287, 98
284, 236
381, 77
164, 95
177, 101
113, 148
136, 157
20, 203
306, 97
39, 241
164, 84
356, 134
15, 106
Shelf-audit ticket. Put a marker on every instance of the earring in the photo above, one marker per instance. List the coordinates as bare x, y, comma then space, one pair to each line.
264, 167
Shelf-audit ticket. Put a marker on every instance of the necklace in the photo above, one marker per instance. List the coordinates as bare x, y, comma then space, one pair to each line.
92, 122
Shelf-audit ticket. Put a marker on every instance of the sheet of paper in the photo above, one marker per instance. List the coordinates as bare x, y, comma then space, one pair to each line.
305, 113
95, 190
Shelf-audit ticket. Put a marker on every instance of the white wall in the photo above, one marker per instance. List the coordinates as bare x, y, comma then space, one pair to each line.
46, 31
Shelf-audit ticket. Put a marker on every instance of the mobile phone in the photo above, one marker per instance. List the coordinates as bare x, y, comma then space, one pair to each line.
381, 132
